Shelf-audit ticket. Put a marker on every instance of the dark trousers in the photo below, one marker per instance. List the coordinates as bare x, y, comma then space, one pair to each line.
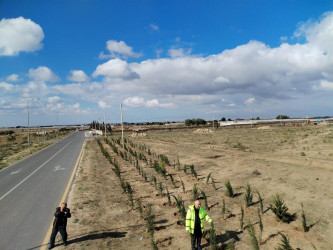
55, 230
195, 241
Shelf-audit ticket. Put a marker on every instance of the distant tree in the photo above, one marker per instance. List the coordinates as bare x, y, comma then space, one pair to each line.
197, 122
282, 117
223, 119
189, 122
229, 120
200, 121
258, 118
216, 124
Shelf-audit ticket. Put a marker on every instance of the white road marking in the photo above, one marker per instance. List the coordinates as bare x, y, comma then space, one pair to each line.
16, 171
59, 168
32, 173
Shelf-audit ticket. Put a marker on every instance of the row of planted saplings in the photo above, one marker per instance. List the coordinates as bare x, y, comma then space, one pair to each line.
147, 215
278, 207
159, 167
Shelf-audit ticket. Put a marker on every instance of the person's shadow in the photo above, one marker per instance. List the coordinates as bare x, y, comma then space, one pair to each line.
225, 238
96, 236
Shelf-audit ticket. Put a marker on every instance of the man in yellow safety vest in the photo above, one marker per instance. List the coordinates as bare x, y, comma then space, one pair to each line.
195, 218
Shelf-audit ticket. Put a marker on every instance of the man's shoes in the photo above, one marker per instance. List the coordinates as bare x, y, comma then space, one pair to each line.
51, 246
65, 243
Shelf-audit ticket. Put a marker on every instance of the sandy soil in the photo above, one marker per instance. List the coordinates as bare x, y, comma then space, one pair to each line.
294, 162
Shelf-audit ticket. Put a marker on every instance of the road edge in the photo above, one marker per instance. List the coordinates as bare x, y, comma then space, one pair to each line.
65, 194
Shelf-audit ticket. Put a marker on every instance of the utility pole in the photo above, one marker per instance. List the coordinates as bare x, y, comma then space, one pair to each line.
122, 125
104, 127
57, 126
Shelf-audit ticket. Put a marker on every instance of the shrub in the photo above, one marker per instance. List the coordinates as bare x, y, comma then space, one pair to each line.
172, 180
150, 220
229, 191
223, 208
205, 198
169, 198
303, 154
183, 186
208, 178
284, 245
164, 159
261, 206
123, 185
149, 153
252, 233
305, 227
194, 173
160, 188
138, 201
248, 196
181, 208
130, 198
241, 219
212, 237
213, 184
261, 226
178, 163
280, 209
195, 193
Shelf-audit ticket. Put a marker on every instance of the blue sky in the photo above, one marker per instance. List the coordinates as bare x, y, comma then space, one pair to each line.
164, 60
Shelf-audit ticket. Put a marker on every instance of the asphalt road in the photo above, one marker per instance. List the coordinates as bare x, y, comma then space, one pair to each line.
31, 190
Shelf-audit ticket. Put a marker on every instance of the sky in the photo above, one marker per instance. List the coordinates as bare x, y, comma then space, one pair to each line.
164, 60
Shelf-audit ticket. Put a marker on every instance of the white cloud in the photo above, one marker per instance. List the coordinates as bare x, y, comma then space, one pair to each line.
141, 102
7, 87
78, 76
181, 52
119, 50
19, 34
43, 74
154, 27
231, 105
116, 68
250, 101
54, 99
221, 79
13, 78
324, 85
158, 52
283, 38
134, 101
104, 105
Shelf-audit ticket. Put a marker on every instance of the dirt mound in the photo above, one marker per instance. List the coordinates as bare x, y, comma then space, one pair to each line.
138, 135
203, 131
264, 127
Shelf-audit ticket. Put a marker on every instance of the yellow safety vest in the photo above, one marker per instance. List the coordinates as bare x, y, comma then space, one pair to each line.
190, 218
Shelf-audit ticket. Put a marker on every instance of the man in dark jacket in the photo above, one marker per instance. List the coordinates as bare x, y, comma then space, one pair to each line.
59, 224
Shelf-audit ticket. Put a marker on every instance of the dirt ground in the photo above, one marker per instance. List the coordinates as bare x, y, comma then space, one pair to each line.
295, 162
14, 143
